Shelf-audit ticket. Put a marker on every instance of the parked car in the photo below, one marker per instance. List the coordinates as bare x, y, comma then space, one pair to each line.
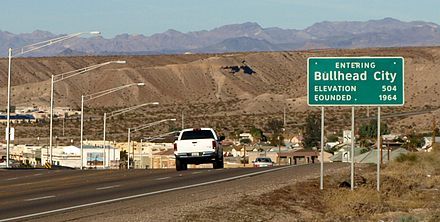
263, 162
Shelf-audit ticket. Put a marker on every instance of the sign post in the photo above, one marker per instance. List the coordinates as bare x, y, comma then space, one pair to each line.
355, 81
379, 148
321, 185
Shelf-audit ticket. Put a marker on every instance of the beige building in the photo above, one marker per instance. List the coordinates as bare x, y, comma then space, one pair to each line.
149, 155
26, 154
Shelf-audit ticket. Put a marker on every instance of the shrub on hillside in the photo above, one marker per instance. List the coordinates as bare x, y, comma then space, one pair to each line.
409, 157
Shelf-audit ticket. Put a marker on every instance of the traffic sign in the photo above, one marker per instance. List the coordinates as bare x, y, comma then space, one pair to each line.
355, 81
11, 135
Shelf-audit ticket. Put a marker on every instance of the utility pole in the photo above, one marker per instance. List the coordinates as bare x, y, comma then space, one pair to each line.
182, 120
279, 151
64, 121
284, 118
433, 131
244, 155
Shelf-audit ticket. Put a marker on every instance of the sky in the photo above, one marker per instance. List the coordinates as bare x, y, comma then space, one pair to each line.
113, 17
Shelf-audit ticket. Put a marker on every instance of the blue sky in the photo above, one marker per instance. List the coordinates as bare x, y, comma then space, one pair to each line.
147, 17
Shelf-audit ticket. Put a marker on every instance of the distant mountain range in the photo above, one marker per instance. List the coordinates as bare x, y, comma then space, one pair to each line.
387, 32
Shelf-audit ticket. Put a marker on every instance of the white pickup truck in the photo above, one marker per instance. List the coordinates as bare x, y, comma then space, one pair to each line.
197, 146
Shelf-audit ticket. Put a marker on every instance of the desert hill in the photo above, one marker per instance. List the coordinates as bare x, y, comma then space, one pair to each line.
234, 85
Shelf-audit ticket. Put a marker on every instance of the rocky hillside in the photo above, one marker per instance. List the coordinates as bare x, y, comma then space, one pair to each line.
217, 85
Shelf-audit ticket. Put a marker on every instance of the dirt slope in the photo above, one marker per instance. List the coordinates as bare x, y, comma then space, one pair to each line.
279, 79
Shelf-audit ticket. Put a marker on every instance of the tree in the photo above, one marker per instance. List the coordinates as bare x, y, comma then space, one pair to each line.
256, 133
332, 138
276, 140
413, 142
275, 126
368, 131
123, 155
312, 134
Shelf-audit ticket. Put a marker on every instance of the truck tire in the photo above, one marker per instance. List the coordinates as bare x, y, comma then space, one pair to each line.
179, 164
221, 164
218, 163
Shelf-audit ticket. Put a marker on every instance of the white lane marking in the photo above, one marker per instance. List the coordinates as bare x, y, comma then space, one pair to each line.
144, 194
108, 187
162, 178
14, 178
196, 172
39, 198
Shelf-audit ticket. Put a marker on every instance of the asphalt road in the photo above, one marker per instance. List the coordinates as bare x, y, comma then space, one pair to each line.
25, 194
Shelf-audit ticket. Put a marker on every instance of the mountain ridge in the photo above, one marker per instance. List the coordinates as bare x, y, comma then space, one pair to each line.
244, 37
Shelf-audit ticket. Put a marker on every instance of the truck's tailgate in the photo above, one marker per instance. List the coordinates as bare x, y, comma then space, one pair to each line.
191, 146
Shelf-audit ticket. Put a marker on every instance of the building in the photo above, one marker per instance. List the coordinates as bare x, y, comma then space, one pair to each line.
296, 141
246, 136
287, 157
144, 153
28, 155
93, 157
163, 160
428, 142
18, 118
343, 152
387, 155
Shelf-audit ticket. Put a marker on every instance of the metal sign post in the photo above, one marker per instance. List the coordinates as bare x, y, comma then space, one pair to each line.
379, 148
322, 149
352, 148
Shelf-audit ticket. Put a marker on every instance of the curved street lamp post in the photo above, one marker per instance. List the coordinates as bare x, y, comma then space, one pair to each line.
24, 50
114, 114
64, 76
95, 96
141, 127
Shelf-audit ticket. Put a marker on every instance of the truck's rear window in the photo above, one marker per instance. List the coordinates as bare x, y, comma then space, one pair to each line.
197, 134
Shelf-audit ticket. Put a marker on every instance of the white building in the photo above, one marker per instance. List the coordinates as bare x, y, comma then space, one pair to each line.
246, 136
93, 157
428, 142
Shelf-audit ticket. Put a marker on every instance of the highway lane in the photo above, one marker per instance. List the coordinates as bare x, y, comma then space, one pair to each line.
33, 192
55, 190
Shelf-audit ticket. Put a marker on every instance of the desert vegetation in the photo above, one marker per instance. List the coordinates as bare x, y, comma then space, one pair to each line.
409, 192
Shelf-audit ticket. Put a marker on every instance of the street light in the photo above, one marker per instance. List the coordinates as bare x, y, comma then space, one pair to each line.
117, 113
64, 76
160, 136
130, 130
95, 96
24, 50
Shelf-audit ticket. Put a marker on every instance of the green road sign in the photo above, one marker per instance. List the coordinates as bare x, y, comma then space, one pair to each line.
355, 81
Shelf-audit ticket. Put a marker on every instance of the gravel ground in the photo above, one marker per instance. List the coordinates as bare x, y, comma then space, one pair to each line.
183, 205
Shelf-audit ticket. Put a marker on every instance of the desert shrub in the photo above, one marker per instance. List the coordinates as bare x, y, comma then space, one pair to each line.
408, 219
410, 157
